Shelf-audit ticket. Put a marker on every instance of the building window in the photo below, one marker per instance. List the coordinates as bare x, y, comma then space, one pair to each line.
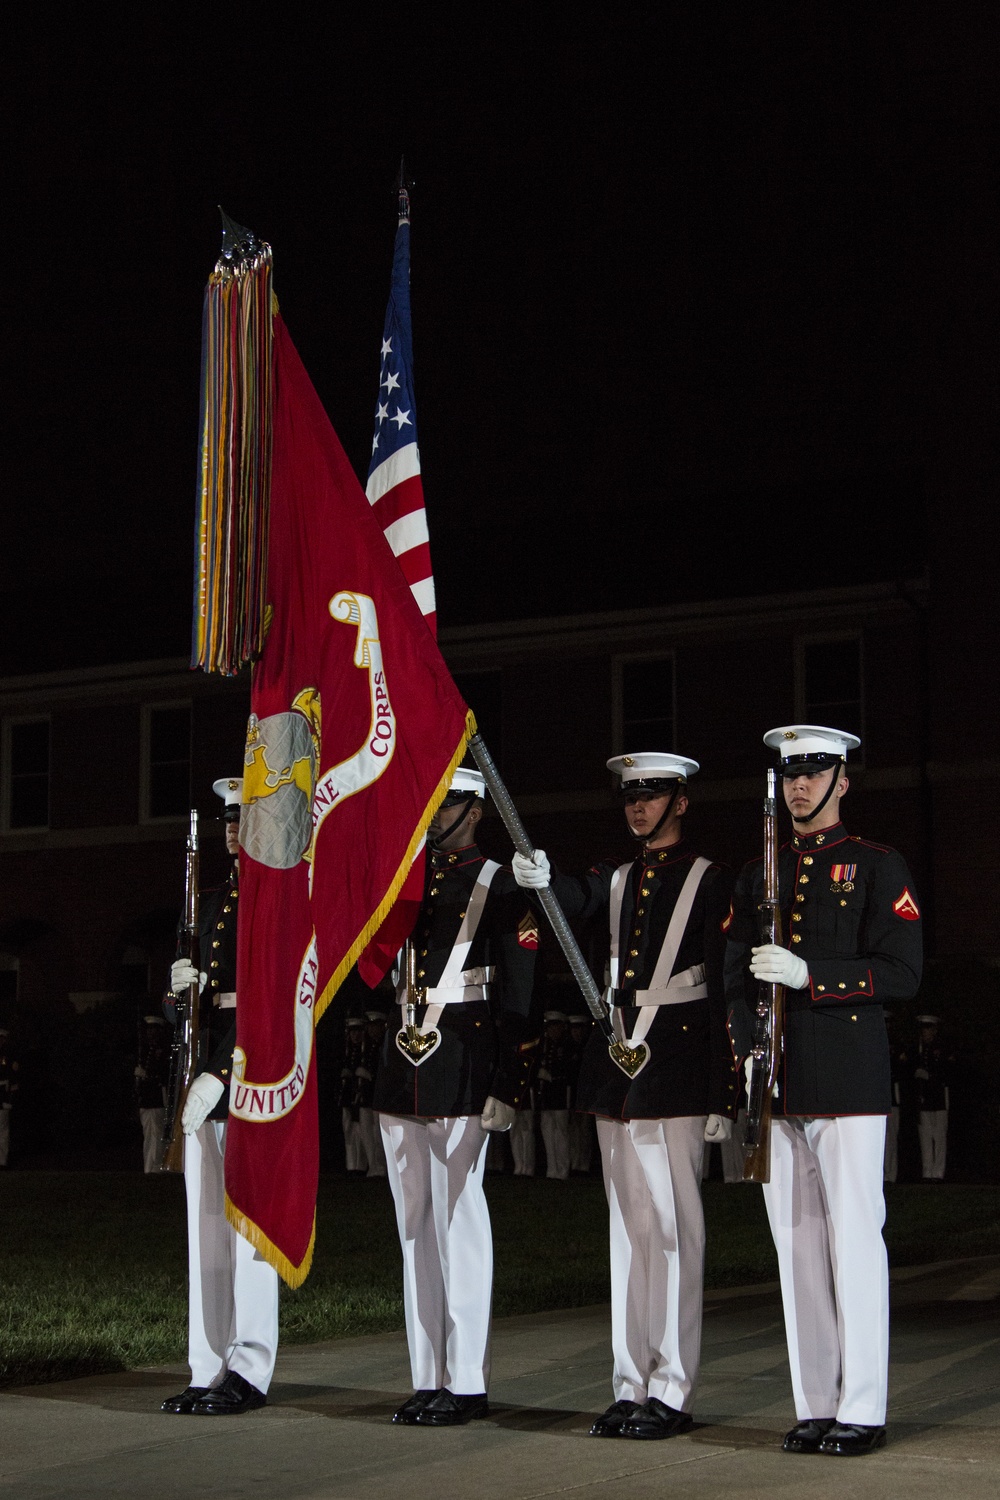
483, 692
27, 778
830, 682
167, 761
644, 704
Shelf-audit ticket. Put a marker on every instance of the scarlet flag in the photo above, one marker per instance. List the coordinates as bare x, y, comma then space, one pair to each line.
355, 729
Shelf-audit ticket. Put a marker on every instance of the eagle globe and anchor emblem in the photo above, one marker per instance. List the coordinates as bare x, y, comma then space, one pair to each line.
285, 803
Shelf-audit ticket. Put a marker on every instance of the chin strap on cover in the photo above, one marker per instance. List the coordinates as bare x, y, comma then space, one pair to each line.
470, 801
808, 817
647, 838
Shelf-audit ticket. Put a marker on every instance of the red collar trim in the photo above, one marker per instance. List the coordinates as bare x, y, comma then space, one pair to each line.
452, 859
655, 859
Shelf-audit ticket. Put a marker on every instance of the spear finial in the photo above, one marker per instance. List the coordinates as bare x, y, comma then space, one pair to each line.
238, 243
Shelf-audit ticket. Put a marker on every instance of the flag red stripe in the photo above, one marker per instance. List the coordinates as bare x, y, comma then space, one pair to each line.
402, 500
416, 564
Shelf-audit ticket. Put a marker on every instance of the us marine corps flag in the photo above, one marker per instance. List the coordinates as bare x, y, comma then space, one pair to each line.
355, 729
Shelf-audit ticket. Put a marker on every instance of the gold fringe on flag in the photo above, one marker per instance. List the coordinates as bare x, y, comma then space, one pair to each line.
235, 479
290, 1274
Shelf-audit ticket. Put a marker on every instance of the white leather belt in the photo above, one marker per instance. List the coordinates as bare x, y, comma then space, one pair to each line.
688, 985
226, 1001
452, 992
474, 988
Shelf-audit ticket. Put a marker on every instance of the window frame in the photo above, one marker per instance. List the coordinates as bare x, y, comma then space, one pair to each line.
146, 765
624, 659
802, 711
7, 774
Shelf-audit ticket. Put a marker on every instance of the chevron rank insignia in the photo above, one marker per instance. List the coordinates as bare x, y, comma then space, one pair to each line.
527, 931
904, 906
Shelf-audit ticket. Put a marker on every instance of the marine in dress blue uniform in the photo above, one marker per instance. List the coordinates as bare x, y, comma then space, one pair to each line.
852, 921
473, 958
232, 1290
932, 1087
662, 913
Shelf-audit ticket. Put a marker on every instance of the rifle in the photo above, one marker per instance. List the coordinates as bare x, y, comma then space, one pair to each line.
184, 1050
631, 1060
769, 1027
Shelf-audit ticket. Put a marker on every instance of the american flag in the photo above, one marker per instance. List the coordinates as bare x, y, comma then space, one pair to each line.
396, 495
394, 488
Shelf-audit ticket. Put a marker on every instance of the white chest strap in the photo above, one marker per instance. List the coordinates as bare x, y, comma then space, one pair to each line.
458, 984
667, 988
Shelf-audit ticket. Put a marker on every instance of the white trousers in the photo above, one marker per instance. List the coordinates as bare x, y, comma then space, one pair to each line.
355, 1159
371, 1136
555, 1135
890, 1159
436, 1176
152, 1138
826, 1211
232, 1289
933, 1130
522, 1143
732, 1150
652, 1176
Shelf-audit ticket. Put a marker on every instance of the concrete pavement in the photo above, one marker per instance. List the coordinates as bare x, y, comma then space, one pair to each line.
326, 1434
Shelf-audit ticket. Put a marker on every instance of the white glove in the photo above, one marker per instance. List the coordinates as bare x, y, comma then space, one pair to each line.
531, 873
183, 975
718, 1128
921, 1073
496, 1115
748, 1069
773, 965
203, 1095
139, 1071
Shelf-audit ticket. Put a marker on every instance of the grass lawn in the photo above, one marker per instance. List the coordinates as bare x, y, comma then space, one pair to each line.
93, 1272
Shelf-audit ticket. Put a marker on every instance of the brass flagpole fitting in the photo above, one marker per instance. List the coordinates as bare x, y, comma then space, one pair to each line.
415, 1045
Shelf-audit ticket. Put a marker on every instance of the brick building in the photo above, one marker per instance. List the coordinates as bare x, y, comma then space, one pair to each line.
100, 766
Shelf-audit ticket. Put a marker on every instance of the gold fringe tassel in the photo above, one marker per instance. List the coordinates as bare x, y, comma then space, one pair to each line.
290, 1274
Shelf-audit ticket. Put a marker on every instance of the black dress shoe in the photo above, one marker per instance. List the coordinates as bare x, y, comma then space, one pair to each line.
655, 1419
611, 1422
181, 1405
445, 1409
850, 1440
231, 1396
408, 1412
805, 1437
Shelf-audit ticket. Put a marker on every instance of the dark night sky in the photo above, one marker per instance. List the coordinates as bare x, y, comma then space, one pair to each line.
679, 288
